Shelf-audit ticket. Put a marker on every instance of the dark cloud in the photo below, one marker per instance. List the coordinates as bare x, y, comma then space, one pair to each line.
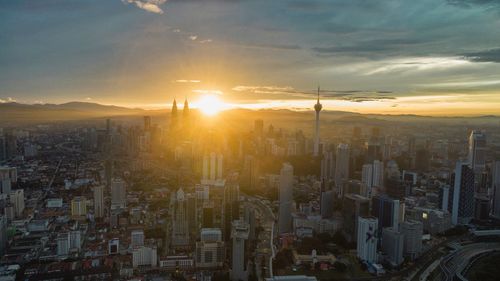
290, 92
492, 55
471, 3
369, 47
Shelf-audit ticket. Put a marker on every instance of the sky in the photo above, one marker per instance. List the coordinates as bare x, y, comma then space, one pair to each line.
429, 57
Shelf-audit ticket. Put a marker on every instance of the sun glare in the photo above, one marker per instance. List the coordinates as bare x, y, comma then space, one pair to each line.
210, 105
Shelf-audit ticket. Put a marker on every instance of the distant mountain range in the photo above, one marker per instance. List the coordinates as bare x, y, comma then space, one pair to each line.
13, 113
16, 113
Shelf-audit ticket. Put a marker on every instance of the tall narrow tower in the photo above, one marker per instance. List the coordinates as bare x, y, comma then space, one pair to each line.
317, 108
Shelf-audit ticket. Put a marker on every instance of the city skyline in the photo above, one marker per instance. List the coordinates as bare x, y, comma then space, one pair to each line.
425, 57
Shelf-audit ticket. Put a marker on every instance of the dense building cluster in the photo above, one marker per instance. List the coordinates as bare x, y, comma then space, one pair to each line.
196, 197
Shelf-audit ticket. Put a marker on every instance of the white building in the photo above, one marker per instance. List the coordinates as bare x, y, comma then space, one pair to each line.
118, 194
17, 200
285, 198
211, 234
477, 151
239, 234
342, 166
367, 239
144, 256
63, 244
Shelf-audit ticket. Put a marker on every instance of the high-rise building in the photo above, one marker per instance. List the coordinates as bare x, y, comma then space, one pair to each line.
496, 190
118, 194
99, 201
353, 207
477, 151
372, 175
239, 259
17, 201
137, 238
210, 250
317, 109
412, 232
326, 207
173, 116
144, 256
387, 210
231, 203
367, 239
393, 245
327, 166
367, 179
285, 198
63, 244
180, 228
79, 206
3, 234
147, 123
192, 212
259, 127
212, 169
462, 194
341, 167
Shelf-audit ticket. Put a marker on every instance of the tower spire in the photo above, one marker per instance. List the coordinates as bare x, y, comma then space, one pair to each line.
318, 94
317, 108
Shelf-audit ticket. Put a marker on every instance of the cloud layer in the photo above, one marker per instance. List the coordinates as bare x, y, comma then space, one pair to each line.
152, 6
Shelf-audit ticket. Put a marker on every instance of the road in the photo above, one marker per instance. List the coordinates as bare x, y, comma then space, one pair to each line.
265, 248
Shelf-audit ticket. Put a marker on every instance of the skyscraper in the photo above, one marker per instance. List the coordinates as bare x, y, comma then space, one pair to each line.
387, 211
353, 207
99, 201
17, 200
477, 151
327, 166
496, 190
367, 179
367, 239
462, 182
212, 169
412, 231
118, 194
231, 203
173, 116
239, 258
393, 245
285, 198
147, 123
317, 108
180, 229
341, 166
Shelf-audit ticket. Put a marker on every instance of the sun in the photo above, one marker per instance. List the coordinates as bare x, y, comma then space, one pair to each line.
210, 105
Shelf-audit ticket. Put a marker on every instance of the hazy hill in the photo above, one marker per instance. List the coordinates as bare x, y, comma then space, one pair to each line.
17, 113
